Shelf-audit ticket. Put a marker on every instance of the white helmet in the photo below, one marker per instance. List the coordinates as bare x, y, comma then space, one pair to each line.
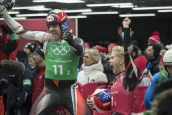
167, 58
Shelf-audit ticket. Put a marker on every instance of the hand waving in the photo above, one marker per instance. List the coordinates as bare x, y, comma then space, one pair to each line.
2, 9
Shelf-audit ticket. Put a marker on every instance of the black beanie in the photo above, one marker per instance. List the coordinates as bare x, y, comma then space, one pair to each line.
40, 52
31, 46
21, 55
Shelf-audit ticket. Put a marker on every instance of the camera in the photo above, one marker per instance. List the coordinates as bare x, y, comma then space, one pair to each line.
10, 73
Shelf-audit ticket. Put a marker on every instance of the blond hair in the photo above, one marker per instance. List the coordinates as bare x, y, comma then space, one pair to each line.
118, 51
94, 54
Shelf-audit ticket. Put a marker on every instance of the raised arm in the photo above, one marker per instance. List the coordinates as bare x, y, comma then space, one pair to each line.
19, 29
130, 80
127, 39
75, 42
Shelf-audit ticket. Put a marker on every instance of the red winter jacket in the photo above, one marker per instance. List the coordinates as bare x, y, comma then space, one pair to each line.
38, 83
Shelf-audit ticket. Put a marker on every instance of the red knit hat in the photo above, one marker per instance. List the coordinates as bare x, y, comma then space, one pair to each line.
140, 62
112, 44
110, 47
154, 38
101, 49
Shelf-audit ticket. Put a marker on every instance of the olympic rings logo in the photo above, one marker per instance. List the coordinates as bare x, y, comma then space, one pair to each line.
60, 49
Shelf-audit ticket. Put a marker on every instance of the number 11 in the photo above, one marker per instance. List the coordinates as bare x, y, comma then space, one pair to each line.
56, 67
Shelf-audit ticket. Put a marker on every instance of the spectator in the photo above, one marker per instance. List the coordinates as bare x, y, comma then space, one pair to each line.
140, 62
19, 98
8, 43
104, 60
153, 57
40, 74
32, 64
92, 68
155, 39
156, 79
22, 57
30, 48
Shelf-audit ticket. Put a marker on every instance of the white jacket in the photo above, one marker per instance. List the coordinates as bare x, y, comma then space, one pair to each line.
93, 73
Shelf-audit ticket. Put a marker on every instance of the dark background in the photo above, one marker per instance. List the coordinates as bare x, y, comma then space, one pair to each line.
103, 29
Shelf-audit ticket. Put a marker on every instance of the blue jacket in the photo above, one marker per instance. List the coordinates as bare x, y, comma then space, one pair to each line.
149, 95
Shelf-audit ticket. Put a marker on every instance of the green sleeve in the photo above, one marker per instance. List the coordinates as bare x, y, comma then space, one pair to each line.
13, 36
163, 76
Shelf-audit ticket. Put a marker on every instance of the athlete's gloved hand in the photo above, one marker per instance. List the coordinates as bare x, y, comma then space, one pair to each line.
3, 10
67, 36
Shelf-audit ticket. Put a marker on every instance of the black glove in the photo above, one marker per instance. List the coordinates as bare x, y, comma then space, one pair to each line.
76, 43
7, 5
21, 99
69, 38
